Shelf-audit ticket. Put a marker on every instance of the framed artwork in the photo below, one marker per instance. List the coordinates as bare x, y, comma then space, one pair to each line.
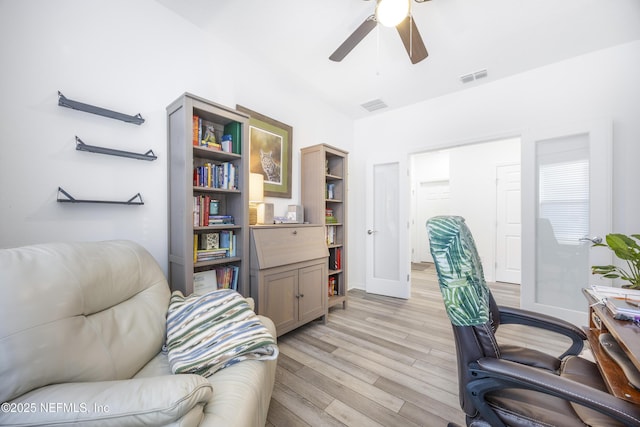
270, 145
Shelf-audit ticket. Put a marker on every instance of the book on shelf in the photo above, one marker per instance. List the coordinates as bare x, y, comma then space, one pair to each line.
203, 255
221, 219
226, 143
203, 249
213, 175
220, 277
227, 276
196, 130
331, 234
205, 282
331, 194
202, 216
335, 259
234, 129
196, 211
333, 288
228, 240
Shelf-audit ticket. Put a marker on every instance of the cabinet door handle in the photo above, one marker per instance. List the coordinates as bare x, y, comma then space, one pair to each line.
300, 296
295, 231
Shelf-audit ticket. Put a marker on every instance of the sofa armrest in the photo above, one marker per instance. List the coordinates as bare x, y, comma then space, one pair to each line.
140, 401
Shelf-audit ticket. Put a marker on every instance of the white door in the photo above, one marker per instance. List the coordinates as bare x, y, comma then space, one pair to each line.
566, 200
432, 200
387, 242
508, 224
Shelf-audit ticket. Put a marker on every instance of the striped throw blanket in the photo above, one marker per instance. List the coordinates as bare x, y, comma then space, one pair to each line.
210, 332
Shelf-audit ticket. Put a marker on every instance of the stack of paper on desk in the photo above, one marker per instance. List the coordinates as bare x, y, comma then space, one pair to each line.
622, 303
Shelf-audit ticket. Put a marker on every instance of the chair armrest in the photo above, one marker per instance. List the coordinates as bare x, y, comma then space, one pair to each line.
542, 321
494, 374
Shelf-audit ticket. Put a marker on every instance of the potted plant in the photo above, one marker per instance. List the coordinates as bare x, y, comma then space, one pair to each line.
627, 249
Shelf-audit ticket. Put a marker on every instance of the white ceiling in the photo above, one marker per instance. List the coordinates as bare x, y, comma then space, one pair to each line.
505, 37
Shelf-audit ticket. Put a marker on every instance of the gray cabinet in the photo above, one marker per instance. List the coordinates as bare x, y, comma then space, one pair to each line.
185, 193
288, 274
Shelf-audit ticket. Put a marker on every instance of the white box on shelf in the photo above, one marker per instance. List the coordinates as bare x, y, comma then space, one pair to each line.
295, 214
265, 213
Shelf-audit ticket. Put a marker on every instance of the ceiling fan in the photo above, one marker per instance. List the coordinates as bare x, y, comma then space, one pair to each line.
403, 22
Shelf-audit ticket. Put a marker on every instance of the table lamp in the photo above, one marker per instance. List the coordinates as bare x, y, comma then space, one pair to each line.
256, 195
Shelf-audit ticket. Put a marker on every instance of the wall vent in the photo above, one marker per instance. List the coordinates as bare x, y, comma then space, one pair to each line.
468, 78
376, 104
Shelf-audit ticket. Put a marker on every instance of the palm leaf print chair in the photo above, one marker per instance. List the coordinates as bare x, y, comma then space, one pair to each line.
503, 385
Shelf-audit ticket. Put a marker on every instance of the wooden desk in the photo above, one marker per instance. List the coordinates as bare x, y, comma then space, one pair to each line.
628, 336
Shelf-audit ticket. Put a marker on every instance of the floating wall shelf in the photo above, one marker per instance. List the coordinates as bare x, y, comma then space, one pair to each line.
135, 200
65, 102
81, 146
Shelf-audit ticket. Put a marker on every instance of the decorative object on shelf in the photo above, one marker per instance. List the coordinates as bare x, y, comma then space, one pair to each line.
135, 200
65, 102
295, 213
626, 249
265, 214
81, 146
270, 145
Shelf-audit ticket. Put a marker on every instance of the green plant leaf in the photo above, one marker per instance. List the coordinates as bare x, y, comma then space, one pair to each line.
627, 249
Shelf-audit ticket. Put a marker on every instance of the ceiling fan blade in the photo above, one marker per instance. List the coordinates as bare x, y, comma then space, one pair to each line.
412, 40
355, 38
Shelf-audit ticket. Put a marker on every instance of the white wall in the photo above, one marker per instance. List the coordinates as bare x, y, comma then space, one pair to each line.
598, 85
137, 57
132, 57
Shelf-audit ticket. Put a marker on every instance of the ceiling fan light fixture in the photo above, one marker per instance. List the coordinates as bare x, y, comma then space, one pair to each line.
391, 12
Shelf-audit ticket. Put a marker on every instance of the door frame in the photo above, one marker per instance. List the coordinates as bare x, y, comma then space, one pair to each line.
400, 288
598, 130
419, 227
489, 268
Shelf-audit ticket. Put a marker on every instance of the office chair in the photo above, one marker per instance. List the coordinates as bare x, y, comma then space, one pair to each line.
503, 385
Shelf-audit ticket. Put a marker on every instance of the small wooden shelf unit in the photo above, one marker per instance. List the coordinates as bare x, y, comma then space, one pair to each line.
324, 172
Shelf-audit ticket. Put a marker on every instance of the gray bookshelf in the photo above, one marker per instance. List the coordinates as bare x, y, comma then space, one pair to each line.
183, 156
323, 166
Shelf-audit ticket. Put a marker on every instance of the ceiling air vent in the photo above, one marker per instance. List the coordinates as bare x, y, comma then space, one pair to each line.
376, 104
468, 78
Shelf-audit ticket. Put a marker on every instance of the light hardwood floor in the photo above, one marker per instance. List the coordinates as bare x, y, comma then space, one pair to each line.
382, 361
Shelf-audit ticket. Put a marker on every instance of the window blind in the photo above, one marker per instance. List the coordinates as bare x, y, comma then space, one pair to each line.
564, 198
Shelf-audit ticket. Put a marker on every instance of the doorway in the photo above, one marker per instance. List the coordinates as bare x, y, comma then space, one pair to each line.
432, 200
463, 180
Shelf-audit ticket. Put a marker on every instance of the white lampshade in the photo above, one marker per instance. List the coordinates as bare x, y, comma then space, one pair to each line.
391, 12
256, 188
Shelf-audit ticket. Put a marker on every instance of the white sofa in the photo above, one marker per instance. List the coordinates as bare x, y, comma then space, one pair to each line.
82, 327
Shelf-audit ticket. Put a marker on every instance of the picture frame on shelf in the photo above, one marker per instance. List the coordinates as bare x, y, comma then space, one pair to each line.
270, 152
